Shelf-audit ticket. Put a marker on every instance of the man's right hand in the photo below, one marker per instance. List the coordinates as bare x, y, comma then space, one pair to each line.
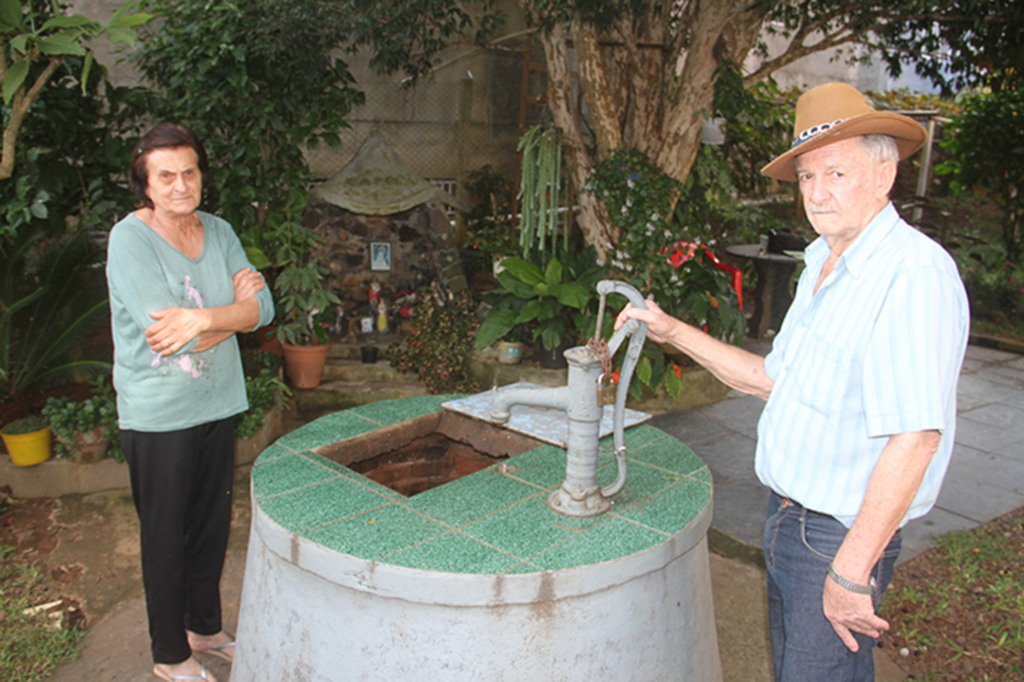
659, 323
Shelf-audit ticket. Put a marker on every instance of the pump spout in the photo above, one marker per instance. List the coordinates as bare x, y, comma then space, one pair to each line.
503, 400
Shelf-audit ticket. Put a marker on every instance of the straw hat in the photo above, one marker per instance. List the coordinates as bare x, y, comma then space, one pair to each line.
837, 111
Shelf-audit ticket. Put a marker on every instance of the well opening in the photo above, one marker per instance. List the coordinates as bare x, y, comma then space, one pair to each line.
426, 452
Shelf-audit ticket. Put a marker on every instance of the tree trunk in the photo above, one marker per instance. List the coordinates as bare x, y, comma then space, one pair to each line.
645, 87
593, 218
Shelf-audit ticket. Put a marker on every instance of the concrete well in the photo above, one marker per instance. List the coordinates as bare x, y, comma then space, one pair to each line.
476, 579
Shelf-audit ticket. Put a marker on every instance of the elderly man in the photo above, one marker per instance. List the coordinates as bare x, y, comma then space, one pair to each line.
861, 382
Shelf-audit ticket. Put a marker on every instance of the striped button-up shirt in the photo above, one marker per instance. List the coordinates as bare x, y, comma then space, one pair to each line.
875, 352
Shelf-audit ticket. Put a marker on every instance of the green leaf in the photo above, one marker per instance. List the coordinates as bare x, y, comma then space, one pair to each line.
256, 257
523, 271
514, 286
673, 384
65, 42
553, 334
130, 20
573, 294
87, 69
532, 311
553, 275
64, 21
13, 79
643, 370
495, 327
122, 36
10, 13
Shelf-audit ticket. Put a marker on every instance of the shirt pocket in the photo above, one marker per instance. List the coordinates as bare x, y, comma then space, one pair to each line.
824, 376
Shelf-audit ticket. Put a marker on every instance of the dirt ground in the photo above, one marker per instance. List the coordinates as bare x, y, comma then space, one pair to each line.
88, 547
949, 636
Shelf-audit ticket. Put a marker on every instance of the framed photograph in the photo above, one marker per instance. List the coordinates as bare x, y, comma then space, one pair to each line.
380, 257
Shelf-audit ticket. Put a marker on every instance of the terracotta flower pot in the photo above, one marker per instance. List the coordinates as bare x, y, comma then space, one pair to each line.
28, 449
305, 364
90, 446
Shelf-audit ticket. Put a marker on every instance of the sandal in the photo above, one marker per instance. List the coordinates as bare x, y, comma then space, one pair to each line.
201, 676
219, 652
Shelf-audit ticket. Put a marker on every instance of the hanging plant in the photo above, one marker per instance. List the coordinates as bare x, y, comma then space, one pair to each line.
540, 189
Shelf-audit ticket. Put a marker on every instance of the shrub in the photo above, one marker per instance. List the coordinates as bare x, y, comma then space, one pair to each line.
440, 343
265, 392
67, 417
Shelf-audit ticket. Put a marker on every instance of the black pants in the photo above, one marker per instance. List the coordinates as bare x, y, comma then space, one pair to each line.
181, 485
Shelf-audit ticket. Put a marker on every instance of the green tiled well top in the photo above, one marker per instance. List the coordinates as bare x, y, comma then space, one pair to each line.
495, 521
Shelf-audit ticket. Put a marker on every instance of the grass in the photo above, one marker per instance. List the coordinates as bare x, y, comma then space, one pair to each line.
956, 610
30, 646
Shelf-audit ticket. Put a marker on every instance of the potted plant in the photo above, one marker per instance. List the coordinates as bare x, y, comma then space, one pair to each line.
554, 301
27, 441
302, 300
84, 429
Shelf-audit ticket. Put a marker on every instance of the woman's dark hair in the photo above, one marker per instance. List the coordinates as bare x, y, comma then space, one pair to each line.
163, 136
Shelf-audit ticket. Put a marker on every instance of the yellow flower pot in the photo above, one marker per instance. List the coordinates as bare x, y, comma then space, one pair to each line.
28, 449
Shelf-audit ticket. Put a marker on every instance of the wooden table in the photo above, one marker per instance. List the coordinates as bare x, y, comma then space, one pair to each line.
772, 296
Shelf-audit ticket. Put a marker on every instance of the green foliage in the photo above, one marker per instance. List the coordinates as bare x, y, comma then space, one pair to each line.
986, 142
440, 343
553, 301
995, 285
35, 29
265, 392
20, 427
540, 190
639, 197
301, 298
966, 43
490, 230
406, 35
51, 299
758, 124
37, 37
31, 650
72, 156
257, 82
66, 417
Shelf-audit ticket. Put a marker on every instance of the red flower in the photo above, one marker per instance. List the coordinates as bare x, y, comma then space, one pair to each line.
678, 370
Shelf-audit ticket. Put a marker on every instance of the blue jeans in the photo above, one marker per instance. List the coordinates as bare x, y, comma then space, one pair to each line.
799, 544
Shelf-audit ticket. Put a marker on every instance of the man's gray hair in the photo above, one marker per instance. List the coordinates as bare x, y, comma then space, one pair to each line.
880, 148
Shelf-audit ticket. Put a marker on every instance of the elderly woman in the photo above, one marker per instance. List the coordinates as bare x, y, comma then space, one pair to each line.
180, 288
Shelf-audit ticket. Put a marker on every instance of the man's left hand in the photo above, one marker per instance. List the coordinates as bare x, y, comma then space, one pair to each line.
848, 611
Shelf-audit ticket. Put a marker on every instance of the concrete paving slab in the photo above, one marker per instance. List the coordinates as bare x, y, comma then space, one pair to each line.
1014, 450
919, 534
1003, 375
966, 403
989, 355
996, 415
689, 426
976, 500
980, 436
731, 456
983, 387
740, 507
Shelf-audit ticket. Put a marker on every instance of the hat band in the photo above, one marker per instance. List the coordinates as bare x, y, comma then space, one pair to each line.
814, 130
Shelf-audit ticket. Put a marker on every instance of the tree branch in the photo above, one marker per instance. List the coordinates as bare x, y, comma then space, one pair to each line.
19, 107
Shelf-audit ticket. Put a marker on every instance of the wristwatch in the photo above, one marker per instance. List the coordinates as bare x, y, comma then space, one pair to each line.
848, 584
